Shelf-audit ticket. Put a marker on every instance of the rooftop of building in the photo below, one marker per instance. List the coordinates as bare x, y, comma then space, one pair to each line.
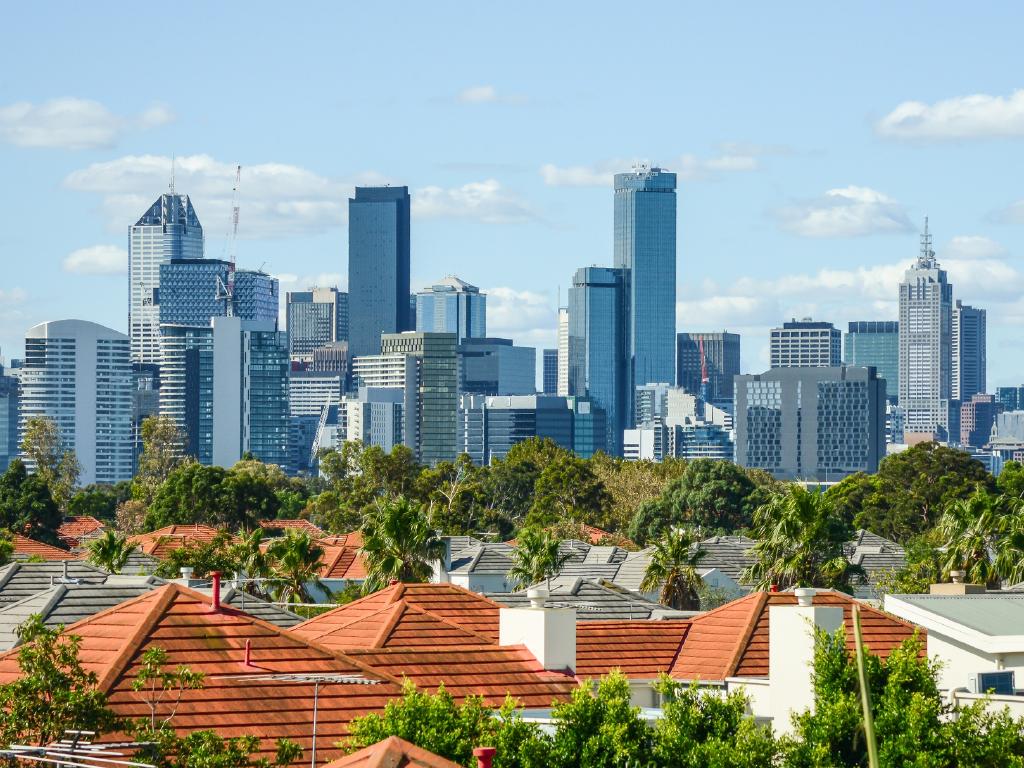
26, 548
392, 752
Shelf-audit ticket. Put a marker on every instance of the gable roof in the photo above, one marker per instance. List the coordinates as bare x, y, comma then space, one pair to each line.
160, 543
298, 524
19, 580
25, 548
392, 752
732, 640
641, 649
397, 625
593, 599
489, 559
467, 609
77, 527
180, 621
352, 539
342, 562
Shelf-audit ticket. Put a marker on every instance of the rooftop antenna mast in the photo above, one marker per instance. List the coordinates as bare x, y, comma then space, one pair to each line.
927, 254
226, 292
172, 173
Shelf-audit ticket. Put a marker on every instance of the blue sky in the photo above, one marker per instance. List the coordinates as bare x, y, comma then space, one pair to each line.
811, 140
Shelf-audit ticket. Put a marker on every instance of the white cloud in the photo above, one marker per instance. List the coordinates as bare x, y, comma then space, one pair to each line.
520, 315
485, 201
97, 260
276, 199
847, 212
1011, 214
292, 282
71, 123
962, 117
965, 247
599, 175
487, 94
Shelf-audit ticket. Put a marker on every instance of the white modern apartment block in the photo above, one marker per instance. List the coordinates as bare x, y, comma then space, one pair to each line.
394, 371
310, 391
563, 352
79, 375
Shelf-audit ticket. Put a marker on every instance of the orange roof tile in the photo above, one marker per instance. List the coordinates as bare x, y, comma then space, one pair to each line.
74, 528
342, 562
26, 547
297, 524
353, 539
456, 604
180, 621
642, 649
162, 542
733, 640
397, 625
393, 752
488, 671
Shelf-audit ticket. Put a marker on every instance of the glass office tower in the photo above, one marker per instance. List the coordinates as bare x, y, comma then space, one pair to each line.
876, 343
597, 369
168, 231
454, 306
645, 251
378, 266
316, 318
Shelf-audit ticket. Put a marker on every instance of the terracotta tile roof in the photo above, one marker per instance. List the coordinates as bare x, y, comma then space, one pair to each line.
75, 528
733, 640
641, 649
161, 542
393, 752
354, 539
342, 562
180, 621
25, 548
397, 625
489, 671
297, 525
456, 604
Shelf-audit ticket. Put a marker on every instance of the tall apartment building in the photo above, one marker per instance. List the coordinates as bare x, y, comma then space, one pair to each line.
645, 251
225, 386
597, 362
563, 352
493, 366
315, 318
454, 306
376, 416
550, 372
79, 375
977, 416
399, 372
438, 389
815, 423
650, 403
10, 391
378, 266
806, 344
968, 352
876, 343
490, 426
926, 320
167, 231
721, 355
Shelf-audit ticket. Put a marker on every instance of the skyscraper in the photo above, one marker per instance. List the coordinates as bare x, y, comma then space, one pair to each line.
926, 317
194, 290
968, 352
454, 306
645, 251
9, 408
810, 423
1010, 398
563, 352
597, 368
806, 344
550, 372
722, 356
977, 415
876, 343
493, 366
79, 375
316, 318
490, 426
168, 231
378, 266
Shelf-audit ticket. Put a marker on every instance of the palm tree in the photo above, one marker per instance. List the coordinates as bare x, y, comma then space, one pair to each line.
110, 552
295, 563
253, 562
673, 570
537, 557
399, 544
800, 543
970, 530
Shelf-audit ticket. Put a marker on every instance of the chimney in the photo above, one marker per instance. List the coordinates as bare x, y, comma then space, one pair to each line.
548, 633
444, 564
215, 602
484, 756
957, 587
791, 631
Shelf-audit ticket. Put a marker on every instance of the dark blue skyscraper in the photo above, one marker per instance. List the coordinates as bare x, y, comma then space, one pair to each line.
645, 251
597, 367
378, 266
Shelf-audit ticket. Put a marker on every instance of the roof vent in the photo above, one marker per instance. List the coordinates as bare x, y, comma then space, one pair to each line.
538, 596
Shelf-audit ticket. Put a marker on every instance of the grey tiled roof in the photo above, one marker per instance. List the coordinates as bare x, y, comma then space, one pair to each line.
19, 580
261, 609
592, 598
484, 558
458, 544
875, 555
140, 564
729, 554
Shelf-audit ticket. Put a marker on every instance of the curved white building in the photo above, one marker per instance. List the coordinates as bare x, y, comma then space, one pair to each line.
78, 374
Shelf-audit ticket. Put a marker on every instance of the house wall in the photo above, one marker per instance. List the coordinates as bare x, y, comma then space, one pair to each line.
478, 582
959, 661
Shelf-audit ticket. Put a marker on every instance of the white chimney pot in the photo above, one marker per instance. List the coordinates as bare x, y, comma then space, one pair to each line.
805, 596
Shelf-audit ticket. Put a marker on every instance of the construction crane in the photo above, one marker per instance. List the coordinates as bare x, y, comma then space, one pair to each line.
703, 373
226, 291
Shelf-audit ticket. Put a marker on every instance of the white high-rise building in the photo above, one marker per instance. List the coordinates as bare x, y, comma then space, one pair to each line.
926, 316
79, 375
563, 352
169, 230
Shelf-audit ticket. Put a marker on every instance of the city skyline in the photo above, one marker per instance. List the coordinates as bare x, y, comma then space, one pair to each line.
813, 212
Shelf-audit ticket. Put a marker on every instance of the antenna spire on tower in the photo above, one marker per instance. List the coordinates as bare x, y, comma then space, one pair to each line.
172, 173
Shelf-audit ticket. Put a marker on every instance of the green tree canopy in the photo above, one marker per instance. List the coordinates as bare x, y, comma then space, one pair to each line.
567, 489
536, 557
672, 570
399, 543
163, 451
99, 500
55, 462
27, 506
110, 551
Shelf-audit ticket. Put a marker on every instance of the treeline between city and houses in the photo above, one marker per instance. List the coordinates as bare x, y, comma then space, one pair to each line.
940, 504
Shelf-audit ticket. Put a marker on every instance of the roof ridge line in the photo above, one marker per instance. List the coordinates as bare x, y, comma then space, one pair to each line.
744, 640
120, 662
486, 640
388, 626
